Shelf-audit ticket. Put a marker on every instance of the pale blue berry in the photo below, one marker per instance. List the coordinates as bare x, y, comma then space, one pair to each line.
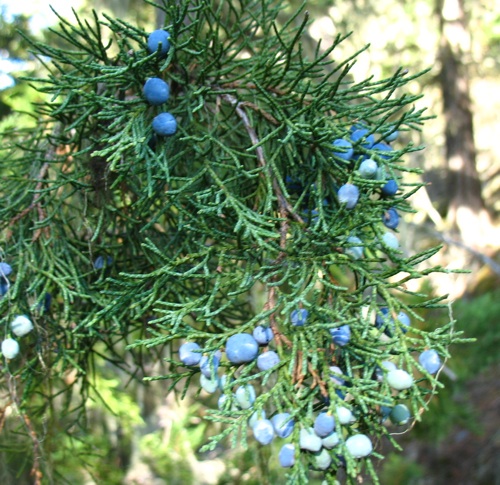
241, 348
348, 194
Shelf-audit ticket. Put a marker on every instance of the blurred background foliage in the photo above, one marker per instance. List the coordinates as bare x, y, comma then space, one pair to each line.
138, 435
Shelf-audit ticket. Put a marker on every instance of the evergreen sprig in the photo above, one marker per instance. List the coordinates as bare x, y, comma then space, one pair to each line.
119, 236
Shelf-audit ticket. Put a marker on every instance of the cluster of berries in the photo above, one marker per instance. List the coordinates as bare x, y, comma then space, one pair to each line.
156, 90
20, 326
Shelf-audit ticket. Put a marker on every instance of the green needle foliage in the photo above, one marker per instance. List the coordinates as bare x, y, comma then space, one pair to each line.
119, 237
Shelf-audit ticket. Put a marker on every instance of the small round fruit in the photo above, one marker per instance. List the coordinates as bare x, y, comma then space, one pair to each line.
267, 360
330, 441
341, 335
210, 363
5, 269
348, 194
263, 431
256, 416
322, 460
400, 414
286, 455
363, 134
309, 440
336, 375
368, 168
390, 241
208, 384
299, 317
343, 149
262, 334
430, 361
324, 424
245, 396
391, 134
283, 424
385, 365
156, 91
390, 188
390, 218
356, 250
359, 445
164, 124
241, 348
156, 38
21, 325
10, 348
189, 353
399, 379
384, 150
345, 415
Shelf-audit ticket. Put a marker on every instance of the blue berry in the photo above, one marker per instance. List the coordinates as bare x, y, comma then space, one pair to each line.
209, 384
388, 322
209, 369
309, 440
400, 414
330, 441
283, 424
348, 194
4, 286
263, 431
324, 424
156, 91
384, 150
5, 269
322, 460
359, 445
286, 455
256, 416
164, 124
336, 375
21, 325
299, 317
341, 335
390, 188
391, 134
368, 168
100, 262
356, 250
189, 353
267, 360
363, 134
245, 396
241, 348
10, 348
263, 335
430, 361
390, 218
156, 38
343, 149
390, 240
399, 379
293, 186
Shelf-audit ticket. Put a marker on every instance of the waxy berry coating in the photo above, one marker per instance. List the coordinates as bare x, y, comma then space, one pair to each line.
156, 91
324, 424
263, 431
164, 124
359, 445
341, 335
10, 348
155, 38
299, 317
267, 360
188, 354
390, 218
283, 424
241, 348
286, 455
348, 194
390, 188
21, 325
430, 361
263, 335
343, 149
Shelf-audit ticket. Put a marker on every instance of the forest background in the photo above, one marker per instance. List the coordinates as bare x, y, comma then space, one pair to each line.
139, 435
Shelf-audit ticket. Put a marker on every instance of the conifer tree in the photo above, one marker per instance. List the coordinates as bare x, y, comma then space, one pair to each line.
211, 193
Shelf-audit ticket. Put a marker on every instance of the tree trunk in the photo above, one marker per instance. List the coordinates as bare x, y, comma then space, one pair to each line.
467, 211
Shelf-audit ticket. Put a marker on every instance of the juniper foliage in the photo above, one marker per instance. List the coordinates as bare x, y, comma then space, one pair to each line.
118, 236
